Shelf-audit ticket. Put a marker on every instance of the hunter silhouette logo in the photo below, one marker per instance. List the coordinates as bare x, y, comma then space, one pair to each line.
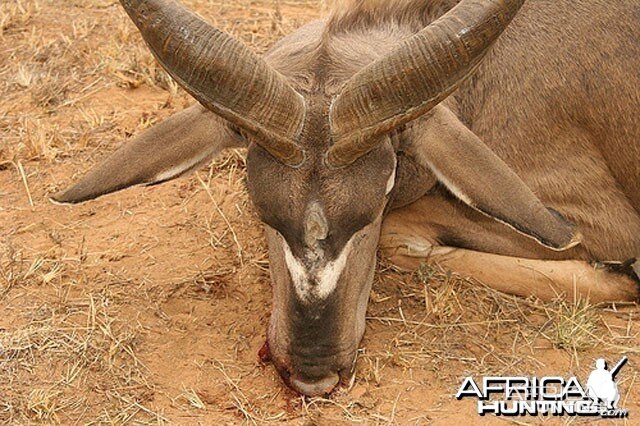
552, 395
601, 385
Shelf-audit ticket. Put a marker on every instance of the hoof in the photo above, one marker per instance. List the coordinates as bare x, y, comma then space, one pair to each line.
629, 268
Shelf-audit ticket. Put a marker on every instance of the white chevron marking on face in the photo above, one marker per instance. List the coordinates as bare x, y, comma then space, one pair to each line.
319, 282
298, 272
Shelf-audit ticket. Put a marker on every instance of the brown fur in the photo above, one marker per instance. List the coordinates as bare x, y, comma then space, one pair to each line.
362, 15
556, 99
327, 53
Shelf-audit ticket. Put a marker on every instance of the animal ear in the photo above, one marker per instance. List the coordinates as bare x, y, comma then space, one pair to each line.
170, 149
480, 179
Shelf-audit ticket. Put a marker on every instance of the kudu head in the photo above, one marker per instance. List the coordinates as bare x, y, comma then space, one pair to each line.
320, 168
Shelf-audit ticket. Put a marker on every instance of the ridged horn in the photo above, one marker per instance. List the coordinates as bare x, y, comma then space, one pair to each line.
415, 77
223, 75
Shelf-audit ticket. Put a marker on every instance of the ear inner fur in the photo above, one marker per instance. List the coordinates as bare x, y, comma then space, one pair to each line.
480, 179
166, 151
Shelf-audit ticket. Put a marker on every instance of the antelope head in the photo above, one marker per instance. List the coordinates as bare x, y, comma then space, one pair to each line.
320, 167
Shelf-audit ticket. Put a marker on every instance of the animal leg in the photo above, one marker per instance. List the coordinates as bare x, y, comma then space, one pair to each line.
545, 279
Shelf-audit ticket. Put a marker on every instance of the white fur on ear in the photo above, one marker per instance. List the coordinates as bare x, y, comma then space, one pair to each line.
180, 169
391, 183
478, 177
176, 146
455, 190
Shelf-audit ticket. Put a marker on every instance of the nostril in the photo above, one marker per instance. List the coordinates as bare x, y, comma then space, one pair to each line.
316, 388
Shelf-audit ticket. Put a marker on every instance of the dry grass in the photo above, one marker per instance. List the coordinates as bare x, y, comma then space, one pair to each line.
149, 307
16, 16
69, 354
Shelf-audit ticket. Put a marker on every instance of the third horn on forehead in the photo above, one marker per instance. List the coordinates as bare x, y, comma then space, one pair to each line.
415, 77
223, 75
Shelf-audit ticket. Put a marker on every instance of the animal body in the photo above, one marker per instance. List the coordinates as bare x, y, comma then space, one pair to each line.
498, 137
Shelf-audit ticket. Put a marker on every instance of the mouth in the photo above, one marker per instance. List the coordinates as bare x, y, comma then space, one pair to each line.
315, 388
304, 386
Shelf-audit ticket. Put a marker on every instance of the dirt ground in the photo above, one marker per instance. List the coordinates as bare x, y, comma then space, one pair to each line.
149, 306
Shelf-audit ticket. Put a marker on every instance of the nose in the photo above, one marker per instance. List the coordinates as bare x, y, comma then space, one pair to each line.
317, 387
